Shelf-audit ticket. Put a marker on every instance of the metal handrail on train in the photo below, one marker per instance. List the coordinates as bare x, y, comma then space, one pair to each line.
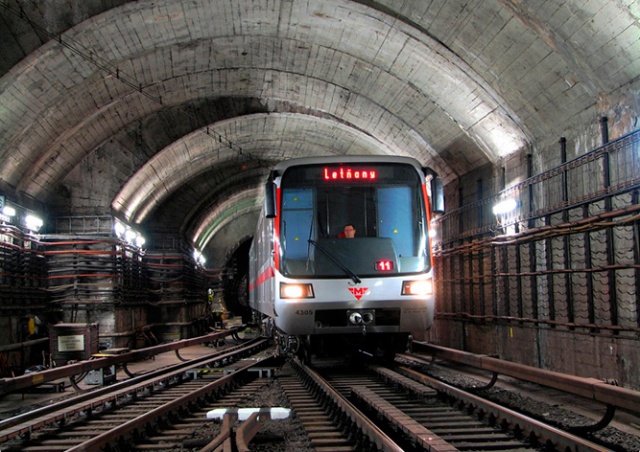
590, 388
8, 385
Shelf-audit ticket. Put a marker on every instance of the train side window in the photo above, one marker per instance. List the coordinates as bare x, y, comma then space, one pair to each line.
297, 217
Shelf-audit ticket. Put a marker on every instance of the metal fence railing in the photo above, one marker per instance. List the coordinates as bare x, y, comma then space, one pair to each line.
567, 255
604, 173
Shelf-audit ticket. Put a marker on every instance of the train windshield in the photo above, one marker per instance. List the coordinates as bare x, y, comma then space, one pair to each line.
382, 202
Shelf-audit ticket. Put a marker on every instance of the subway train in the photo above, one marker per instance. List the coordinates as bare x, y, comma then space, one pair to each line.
341, 257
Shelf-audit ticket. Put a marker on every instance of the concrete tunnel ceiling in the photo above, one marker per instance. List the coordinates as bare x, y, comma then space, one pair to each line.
191, 102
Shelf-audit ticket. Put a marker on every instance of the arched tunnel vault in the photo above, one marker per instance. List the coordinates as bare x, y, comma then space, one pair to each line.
263, 139
104, 106
74, 95
205, 194
238, 214
360, 109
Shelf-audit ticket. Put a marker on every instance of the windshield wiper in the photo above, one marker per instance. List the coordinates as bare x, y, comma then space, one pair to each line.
344, 268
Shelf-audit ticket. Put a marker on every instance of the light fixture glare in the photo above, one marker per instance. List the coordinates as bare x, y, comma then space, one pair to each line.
505, 206
33, 222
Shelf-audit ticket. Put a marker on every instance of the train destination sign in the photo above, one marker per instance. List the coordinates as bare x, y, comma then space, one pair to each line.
346, 173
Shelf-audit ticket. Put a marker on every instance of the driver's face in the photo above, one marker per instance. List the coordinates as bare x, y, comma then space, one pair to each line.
349, 232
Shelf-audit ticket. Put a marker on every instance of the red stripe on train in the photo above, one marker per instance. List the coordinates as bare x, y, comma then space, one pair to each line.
262, 278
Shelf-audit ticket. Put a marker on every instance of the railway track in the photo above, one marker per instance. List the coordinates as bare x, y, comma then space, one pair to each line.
420, 413
334, 407
117, 416
540, 396
416, 413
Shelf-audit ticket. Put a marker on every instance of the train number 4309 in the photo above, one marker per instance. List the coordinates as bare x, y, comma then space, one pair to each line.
304, 312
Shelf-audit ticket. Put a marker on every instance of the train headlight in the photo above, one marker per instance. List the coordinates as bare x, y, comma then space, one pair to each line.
421, 287
296, 290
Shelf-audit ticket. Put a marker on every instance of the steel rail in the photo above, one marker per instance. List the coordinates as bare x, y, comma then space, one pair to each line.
560, 439
372, 431
123, 430
23, 345
249, 429
223, 440
590, 388
24, 423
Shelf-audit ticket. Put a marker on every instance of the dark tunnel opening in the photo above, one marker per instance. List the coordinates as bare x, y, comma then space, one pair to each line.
235, 283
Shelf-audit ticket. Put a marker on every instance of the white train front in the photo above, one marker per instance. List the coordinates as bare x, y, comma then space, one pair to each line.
313, 287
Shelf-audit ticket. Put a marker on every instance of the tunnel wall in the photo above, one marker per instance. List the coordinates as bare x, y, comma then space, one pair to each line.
84, 274
554, 283
606, 357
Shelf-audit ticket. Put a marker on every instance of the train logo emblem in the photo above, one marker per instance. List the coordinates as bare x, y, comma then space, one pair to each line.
358, 292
